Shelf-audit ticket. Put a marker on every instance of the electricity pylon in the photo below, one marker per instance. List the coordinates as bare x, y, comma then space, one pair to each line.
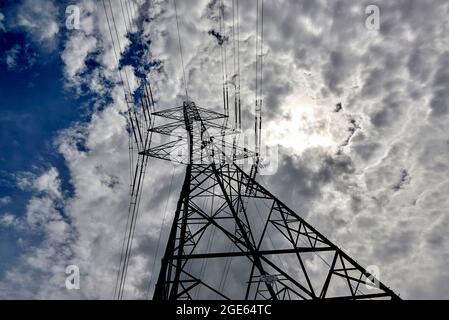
231, 238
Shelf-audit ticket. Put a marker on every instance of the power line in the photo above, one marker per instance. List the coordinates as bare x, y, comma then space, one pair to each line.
225, 57
130, 146
238, 65
180, 51
123, 14
119, 44
138, 175
235, 25
261, 77
130, 17
160, 232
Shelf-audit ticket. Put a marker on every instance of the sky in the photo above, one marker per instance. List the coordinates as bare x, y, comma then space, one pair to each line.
370, 174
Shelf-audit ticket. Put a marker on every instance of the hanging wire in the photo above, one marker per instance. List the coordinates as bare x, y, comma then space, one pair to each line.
124, 18
236, 56
238, 66
225, 56
119, 44
128, 10
259, 77
180, 51
136, 207
130, 146
235, 69
222, 43
160, 232
138, 175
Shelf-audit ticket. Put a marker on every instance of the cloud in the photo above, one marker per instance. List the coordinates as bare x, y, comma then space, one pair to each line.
44, 209
40, 19
8, 220
5, 200
20, 58
43, 219
49, 183
2, 19
79, 46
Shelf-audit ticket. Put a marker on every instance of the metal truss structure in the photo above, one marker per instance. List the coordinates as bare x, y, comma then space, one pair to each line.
230, 238
233, 239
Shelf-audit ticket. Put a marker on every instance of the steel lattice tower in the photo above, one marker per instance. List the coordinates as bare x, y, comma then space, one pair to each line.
231, 238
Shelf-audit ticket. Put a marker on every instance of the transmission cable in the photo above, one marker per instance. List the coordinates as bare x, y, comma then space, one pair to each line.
136, 194
160, 231
180, 51
130, 147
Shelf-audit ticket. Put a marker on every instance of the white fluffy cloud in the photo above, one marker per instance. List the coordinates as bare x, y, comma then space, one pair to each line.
372, 176
40, 18
76, 51
2, 19
5, 200
8, 220
19, 58
43, 219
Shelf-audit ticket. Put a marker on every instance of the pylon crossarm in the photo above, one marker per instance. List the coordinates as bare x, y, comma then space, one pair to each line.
247, 253
170, 129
